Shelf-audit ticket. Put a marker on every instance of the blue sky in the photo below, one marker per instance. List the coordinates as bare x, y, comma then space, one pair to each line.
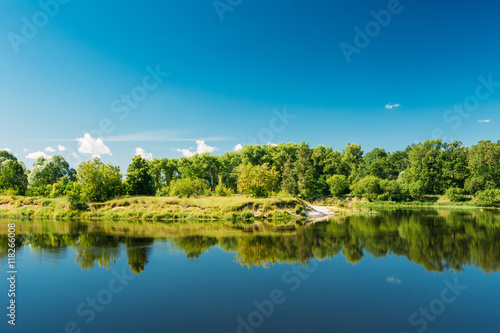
420, 74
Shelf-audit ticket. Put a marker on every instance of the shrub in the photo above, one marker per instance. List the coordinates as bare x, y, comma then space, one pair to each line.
222, 191
488, 198
185, 187
455, 194
391, 191
368, 187
339, 185
416, 190
75, 196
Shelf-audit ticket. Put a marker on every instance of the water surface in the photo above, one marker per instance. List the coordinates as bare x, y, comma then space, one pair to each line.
396, 271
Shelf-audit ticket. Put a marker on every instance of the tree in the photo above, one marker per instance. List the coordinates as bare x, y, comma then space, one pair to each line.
13, 176
163, 171
258, 180
6, 155
484, 167
48, 172
139, 180
99, 182
351, 159
305, 171
368, 187
426, 166
339, 185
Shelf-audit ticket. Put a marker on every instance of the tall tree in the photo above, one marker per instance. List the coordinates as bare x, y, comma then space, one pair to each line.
484, 167
139, 180
13, 176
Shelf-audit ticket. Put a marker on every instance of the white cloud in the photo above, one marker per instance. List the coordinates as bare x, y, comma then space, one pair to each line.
7, 149
392, 279
392, 106
272, 144
61, 148
49, 149
483, 121
142, 152
89, 145
201, 148
238, 147
35, 155
25, 149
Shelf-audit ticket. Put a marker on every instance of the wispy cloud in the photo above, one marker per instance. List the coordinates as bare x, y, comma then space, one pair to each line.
392, 106
201, 148
143, 154
89, 145
61, 148
7, 149
158, 135
393, 280
35, 155
25, 149
49, 149
483, 121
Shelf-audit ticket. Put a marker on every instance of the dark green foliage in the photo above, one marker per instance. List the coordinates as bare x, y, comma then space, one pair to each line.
455, 194
368, 187
99, 182
432, 167
13, 176
338, 185
488, 198
139, 180
484, 167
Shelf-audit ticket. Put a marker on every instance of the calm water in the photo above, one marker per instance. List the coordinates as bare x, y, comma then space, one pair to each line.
398, 271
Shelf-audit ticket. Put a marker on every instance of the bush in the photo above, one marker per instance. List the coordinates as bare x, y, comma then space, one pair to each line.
39, 191
222, 191
488, 198
185, 187
339, 185
368, 187
391, 191
416, 190
75, 196
455, 194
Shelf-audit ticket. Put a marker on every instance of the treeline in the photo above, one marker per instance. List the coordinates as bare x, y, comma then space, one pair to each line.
429, 168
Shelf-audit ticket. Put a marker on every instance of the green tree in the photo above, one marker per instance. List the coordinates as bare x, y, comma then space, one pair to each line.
139, 180
99, 182
484, 167
351, 159
339, 185
13, 176
368, 187
258, 180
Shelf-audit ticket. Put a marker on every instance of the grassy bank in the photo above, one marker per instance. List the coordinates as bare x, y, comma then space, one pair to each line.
437, 201
234, 208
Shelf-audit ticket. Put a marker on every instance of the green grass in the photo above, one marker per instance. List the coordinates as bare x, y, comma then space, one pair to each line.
235, 208
428, 201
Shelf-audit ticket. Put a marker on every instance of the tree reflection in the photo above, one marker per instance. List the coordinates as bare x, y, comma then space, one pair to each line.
437, 240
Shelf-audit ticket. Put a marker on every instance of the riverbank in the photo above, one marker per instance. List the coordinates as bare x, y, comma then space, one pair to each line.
233, 208
422, 204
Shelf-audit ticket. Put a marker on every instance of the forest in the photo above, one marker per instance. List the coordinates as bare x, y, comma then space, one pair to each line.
432, 167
